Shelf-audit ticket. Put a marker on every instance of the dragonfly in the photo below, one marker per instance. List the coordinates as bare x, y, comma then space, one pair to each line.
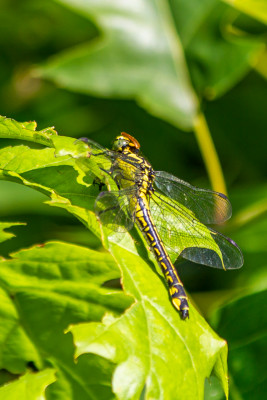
172, 215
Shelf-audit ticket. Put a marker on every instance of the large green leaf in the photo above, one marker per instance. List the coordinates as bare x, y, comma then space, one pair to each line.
143, 355
192, 349
244, 323
156, 351
138, 55
43, 290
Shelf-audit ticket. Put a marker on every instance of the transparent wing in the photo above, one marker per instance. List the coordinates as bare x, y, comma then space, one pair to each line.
231, 253
183, 234
208, 207
97, 163
116, 209
103, 157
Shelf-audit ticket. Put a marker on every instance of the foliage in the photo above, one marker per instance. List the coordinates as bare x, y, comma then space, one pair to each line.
144, 323
94, 68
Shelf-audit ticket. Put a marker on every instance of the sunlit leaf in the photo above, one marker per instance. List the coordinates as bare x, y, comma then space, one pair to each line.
11, 129
7, 235
43, 290
134, 341
30, 386
192, 347
255, 8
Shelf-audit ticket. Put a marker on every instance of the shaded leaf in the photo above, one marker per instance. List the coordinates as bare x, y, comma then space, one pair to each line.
247, 343
213, 389
138, 55
218, 55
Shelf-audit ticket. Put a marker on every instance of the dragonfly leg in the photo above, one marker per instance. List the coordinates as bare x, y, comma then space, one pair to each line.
98, 182
107, 171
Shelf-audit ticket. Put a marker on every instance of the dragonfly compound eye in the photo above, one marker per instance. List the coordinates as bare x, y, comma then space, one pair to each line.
120, 143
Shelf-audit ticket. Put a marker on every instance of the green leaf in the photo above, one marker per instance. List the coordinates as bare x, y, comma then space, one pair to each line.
43, 171
7, 235
218, 53
11, 129
134, 341
155, 350
192, 348
249, 227
30, 386
244, 323
138, 56
254, 8
43, 290
16, 347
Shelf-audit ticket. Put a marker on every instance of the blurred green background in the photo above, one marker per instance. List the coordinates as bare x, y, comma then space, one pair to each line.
92, 68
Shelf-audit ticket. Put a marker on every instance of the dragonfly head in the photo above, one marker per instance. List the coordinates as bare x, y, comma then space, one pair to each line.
125, 142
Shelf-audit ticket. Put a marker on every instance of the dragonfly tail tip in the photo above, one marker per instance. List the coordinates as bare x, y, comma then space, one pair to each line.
184, 313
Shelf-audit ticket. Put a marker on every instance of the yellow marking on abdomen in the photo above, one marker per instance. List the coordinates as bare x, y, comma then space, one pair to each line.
157, 251
150, 237
173, 290
142, 221
177, 303
169, 278
163, 265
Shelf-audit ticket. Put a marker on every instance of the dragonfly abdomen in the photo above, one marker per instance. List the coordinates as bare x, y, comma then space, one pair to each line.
149, 230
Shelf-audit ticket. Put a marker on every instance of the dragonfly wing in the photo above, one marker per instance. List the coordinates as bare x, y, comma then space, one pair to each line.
91, 143
116, 209
231, 253
100, 158
183, 234
208, 206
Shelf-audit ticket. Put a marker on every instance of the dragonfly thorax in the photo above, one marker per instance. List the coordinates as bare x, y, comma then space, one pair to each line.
130, 168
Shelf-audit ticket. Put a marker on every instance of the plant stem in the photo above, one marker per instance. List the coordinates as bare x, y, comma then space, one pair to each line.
209, 154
